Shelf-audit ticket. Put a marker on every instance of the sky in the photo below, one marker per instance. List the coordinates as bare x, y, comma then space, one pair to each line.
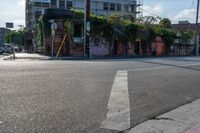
176, 10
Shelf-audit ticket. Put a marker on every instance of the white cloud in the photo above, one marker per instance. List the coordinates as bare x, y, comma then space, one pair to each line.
156, 10
159, 10
186, 14
12, 11
21, 3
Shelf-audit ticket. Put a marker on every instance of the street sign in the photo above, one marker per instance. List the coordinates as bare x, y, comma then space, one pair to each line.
9, 25
53, 33
88, 26
53, 28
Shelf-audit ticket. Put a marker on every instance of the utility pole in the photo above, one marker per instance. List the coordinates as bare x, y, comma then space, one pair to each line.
87, 52
197, 29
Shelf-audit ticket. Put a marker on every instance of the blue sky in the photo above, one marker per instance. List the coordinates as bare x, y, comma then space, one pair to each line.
13, 10
174, 9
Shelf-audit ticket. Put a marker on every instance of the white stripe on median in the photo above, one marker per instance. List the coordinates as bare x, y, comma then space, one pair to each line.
118, 116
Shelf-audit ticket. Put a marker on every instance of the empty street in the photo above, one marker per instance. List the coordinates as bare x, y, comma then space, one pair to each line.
93, 95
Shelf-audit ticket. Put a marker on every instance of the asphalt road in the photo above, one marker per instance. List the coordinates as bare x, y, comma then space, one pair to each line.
72, 96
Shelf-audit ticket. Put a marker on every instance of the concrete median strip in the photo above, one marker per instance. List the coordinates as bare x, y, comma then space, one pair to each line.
118, 116
180, 120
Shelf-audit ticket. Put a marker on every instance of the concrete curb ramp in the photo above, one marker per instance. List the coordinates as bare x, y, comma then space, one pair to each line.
180, 120
195, 129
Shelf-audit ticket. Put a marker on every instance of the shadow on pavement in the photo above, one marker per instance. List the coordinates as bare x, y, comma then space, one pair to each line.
192, 67
155, 93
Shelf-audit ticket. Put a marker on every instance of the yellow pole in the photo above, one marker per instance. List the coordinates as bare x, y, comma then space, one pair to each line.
61, 45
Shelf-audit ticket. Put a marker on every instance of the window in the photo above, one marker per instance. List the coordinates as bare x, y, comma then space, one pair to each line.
69, 4
119, 7
105, 6
54, 3
45, 4
37, 14
77, 30
132, 7
112, 6
126, 7
38, 4
62, 4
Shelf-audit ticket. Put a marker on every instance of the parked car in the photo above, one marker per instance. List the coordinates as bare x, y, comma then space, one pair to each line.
6, 48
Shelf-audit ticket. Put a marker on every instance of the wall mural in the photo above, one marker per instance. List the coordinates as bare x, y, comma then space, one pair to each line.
99, 46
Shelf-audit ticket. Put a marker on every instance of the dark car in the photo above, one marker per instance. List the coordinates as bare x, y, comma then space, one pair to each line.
6, 48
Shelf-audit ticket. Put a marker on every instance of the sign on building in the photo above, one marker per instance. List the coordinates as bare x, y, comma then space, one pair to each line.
9, 25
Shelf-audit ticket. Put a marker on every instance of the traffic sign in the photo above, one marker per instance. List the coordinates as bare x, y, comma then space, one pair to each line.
9, 25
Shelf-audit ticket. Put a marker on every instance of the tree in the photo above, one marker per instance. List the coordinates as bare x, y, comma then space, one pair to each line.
186, 35
168, 36
165, 23
37, 33
17, 37
148, 20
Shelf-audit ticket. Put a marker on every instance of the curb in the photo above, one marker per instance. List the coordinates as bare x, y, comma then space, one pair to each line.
93, 58
179, 120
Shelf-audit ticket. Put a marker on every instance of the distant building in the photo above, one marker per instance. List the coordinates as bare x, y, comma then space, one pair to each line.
188, 26
101, 7
34, 8
3, 31
183, 22
189, 46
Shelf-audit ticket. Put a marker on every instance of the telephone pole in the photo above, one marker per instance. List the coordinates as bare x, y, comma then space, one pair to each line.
197, 29
87, 52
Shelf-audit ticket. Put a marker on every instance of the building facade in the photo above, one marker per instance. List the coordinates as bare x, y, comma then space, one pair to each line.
34, 8
186, 47
101, 7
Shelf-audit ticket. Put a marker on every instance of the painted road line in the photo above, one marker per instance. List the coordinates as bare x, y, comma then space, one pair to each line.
118, 116
162, 67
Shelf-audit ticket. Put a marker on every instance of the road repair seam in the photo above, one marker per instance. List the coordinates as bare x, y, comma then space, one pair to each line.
118, 115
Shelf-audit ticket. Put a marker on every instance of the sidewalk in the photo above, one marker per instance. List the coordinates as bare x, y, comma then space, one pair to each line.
34, 56
185, 119
31, 56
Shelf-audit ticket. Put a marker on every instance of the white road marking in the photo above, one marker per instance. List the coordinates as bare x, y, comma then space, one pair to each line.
118, 116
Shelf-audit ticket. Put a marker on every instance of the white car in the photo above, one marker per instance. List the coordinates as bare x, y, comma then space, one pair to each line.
6, 48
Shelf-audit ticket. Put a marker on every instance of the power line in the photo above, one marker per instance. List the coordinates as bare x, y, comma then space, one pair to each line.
151, 13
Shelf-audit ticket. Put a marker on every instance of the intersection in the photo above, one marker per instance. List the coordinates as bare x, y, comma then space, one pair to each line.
74, 96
